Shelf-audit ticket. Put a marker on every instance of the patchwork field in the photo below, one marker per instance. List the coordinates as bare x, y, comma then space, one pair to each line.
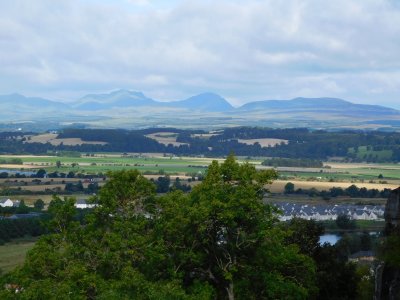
165, 138
377, 176
263, 142
52, 139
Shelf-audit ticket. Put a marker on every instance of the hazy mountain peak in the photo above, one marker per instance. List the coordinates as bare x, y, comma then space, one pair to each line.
206, 102
304, 111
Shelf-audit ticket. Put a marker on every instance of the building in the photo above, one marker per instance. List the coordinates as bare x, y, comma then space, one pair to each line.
6, 203
83, 204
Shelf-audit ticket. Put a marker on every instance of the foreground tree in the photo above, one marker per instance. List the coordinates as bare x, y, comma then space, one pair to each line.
223, 235
220, 241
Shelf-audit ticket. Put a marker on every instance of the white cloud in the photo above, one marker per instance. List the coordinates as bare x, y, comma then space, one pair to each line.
247, 50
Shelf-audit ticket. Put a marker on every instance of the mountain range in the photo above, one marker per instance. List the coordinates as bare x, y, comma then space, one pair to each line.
131, 109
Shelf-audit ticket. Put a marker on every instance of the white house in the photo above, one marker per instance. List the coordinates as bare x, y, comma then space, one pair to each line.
6, 203
82, 204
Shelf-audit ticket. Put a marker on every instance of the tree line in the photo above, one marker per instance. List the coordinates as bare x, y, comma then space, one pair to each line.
302, 143
352, 191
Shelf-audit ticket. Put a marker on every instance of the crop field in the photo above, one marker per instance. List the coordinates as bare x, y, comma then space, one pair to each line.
377, 176
279, 185
266, 142
103, 163
165, 138
364, 151
53, 139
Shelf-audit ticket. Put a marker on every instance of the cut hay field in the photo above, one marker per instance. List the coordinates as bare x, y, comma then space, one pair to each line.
263, 142
166, 138
53, 139
279, 185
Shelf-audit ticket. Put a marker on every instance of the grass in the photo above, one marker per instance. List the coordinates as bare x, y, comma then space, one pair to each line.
364, 152
13, 254
361, 225
98, 164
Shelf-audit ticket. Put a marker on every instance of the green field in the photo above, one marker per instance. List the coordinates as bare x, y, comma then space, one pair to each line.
13, 254
363, 152
361, 225
157, 164
96, 164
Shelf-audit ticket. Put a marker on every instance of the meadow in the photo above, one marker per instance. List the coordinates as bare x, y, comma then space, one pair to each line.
13, 254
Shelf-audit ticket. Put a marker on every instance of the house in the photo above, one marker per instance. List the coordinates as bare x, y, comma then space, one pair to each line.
82, 204
16, 203
365, 256
6, 203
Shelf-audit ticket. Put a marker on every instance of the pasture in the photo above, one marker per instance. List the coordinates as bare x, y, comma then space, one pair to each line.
13, 254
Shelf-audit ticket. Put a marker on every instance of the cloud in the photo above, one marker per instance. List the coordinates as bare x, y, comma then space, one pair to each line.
246, 50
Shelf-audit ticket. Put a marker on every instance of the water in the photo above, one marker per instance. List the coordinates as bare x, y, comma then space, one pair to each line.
329, 238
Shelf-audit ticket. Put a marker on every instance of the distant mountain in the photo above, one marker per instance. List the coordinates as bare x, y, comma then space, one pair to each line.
116, 99
204, 102
325, 105
20, 102
206, 110
123, 98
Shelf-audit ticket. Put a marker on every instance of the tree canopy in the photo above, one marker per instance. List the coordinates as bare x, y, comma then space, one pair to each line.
218, 242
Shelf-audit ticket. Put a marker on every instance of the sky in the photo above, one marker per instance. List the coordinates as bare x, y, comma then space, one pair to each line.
170, 50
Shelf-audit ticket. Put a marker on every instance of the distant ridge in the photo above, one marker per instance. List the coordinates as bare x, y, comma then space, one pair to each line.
132, 109
18, 101
334, 105
204, 102
124, 98
119, 98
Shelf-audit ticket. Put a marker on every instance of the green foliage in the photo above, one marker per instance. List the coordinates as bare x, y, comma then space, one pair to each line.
344, 222
337, 279
38, 204
289, 188
366, 282
11, 161
389, 251
16, 228
220, 241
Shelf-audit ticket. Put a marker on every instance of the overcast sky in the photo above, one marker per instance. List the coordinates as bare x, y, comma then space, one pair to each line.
244, 50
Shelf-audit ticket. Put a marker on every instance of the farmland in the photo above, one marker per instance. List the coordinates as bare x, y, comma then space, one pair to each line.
53, 139
165, 138
266, 142
333, 174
